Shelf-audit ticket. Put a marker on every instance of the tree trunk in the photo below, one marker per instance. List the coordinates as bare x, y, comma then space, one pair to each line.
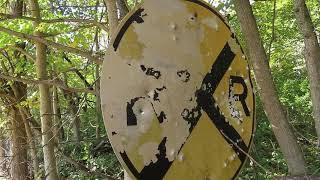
18, 8
312, 55
123, 8
32, 145
58, 129
76, 121
74, 108
45, 102
19, 165
4, 172
46, 118
45, 113
20, 92
98, 104
269, 97
112, 15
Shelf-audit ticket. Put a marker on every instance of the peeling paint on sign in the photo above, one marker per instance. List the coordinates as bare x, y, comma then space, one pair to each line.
211, 22
149, 151
176, 93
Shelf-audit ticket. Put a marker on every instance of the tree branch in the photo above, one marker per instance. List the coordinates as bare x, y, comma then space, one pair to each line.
78, 72
70, 31
52, 44
85, 169
35, 125
29, 56
59, 20
48, 82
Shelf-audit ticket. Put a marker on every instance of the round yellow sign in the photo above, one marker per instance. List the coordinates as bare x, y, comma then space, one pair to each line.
176, 93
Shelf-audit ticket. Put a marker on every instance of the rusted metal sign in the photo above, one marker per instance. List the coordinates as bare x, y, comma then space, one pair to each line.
176, 93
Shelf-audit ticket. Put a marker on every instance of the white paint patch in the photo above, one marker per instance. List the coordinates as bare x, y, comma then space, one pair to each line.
149, 151
181, 157
172, 131
121, 141
211, 22
144, 114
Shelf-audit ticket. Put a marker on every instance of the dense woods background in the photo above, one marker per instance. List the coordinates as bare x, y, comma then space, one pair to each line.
51, 53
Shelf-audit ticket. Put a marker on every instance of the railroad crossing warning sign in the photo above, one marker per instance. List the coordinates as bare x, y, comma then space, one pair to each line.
176, 93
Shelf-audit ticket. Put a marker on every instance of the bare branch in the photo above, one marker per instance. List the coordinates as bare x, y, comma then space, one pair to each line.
78, 72
29, 56
52, 44
48, 82
85, 169
6, 95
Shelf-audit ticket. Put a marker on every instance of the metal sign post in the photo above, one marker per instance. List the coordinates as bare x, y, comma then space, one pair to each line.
176, 93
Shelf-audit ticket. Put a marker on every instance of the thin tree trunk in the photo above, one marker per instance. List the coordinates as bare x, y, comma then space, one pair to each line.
58, 129
273, 108
45, 102
98, 110
46, 118
33, 123
99, 117
98, 101
76, 121
312, 55
74, 108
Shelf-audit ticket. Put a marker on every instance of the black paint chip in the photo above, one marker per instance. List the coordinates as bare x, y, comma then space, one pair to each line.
151, 71
184, 75
143, 68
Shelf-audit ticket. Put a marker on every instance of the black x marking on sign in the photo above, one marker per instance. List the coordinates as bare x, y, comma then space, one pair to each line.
208, 104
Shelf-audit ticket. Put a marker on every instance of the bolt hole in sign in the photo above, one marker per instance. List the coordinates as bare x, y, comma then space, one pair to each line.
176, 93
